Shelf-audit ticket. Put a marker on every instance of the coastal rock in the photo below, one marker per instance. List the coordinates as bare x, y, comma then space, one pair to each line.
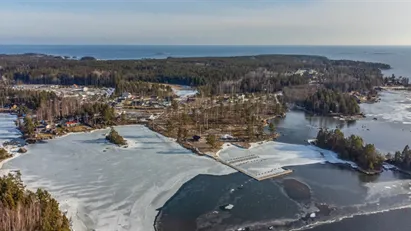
22, 150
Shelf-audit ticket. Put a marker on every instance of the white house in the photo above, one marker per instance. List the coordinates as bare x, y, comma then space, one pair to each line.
126, 95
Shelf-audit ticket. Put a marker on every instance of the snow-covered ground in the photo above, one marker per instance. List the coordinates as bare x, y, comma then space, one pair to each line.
269, 158
104, 187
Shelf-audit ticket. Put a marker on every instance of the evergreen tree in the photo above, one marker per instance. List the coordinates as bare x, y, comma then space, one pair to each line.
29, 126
271, 127
212, 140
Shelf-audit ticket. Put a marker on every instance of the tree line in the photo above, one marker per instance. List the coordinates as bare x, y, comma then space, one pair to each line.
143, 88
216, 75
31, 99
396, 81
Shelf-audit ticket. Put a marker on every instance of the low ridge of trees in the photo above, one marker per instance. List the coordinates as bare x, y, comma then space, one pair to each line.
116, 138
21, 209
351, 148
325, 102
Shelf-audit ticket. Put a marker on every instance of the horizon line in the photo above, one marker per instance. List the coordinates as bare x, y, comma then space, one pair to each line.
233, 45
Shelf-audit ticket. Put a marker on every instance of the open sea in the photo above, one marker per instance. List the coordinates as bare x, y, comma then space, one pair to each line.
341, 198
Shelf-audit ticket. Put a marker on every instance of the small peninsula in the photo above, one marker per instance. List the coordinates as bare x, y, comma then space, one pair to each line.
351, 148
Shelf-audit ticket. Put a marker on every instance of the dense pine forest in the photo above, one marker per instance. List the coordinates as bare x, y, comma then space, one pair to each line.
351, 148
262, 73
21, 209
326, 101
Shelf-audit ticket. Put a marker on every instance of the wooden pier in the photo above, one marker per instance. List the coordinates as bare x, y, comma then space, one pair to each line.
259, 178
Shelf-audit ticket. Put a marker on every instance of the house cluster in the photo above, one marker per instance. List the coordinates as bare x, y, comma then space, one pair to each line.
241, 98
51, 128
127, 99
68, 91
310, 73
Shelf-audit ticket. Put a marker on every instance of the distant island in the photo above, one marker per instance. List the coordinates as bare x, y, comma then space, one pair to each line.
88, 58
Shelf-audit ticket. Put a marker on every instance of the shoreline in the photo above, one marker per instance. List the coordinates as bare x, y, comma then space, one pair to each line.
334, 116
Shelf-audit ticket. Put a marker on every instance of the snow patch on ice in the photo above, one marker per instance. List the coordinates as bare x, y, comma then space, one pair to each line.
394, 107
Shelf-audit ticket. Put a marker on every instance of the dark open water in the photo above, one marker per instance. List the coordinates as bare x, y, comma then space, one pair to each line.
334, 193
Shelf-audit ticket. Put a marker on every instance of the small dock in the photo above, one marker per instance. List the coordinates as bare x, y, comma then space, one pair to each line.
248, 166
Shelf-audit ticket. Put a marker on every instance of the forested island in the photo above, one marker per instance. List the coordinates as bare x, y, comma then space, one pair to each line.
116, 138
351, 148
21, 209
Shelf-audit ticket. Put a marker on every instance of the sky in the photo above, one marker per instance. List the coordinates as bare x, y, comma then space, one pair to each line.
206, 22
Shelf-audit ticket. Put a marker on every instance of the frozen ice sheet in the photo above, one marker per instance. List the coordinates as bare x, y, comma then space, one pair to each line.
104, 187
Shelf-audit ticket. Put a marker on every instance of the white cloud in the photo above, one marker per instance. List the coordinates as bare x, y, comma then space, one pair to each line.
322, 22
